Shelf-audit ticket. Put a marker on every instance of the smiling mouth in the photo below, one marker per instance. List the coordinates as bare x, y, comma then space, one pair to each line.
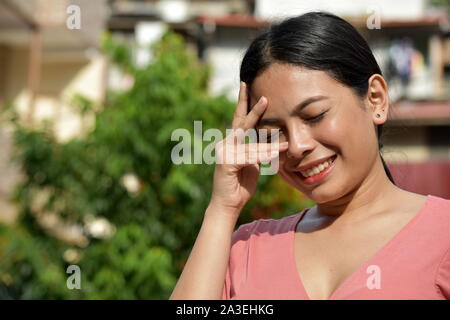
318, 172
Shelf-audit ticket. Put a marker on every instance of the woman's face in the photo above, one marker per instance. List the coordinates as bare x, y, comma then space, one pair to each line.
321, 119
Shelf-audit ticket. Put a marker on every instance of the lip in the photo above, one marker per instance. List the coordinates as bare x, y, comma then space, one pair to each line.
320, 176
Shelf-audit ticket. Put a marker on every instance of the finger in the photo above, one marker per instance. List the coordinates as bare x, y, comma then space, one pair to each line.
236, 136
242, 106
258, 157
252, 153
255, 114
264, 147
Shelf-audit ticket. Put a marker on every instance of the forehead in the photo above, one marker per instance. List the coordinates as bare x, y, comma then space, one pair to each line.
283, 83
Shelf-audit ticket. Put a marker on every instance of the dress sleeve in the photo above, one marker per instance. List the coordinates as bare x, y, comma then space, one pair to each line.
443, 276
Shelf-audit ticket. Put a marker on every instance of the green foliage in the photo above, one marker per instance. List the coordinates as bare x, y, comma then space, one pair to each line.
156, 225
445, 4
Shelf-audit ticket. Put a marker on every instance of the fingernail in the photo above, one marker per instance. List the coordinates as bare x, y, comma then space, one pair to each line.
284, 144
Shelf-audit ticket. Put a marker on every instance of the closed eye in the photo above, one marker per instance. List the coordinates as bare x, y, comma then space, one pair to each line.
317, 118
275, 135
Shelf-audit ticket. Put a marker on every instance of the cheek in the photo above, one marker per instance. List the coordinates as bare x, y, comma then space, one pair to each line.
284, 174
281, 171
347, 133
334, 133
354, 140
287, 177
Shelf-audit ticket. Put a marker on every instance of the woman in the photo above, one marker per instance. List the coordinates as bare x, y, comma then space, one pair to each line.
315, 79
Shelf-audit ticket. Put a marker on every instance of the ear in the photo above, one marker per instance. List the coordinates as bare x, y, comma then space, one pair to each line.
378, 98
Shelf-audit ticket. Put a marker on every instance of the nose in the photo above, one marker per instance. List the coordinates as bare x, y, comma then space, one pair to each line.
301, 143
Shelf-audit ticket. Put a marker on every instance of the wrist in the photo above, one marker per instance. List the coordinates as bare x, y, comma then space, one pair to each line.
218, 209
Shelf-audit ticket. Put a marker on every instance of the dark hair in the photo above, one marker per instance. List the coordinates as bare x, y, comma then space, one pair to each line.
319, 41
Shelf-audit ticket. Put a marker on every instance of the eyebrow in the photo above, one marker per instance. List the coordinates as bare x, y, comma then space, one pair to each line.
296, 110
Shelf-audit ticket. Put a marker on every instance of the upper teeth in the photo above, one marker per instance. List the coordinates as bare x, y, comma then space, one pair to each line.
317, 169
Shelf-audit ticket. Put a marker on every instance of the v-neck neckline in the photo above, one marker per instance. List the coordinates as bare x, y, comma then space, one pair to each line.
351, 277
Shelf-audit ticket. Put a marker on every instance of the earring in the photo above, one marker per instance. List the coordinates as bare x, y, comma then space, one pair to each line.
378, 115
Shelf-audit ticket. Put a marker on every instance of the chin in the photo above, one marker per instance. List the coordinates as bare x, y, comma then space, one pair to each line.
318, 197
316, 194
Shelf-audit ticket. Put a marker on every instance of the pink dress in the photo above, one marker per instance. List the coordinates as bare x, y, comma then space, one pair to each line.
414, 264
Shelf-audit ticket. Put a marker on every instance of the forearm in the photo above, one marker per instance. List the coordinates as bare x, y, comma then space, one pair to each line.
203, 275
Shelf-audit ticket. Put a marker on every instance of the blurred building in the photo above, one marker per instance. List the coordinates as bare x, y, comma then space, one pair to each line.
45, 59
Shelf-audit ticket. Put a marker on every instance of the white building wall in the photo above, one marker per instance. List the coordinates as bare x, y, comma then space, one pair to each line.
398, 9
226, 61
